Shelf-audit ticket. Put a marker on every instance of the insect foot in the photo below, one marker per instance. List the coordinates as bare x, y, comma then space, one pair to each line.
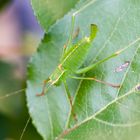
43, 89
75, 117
40, 94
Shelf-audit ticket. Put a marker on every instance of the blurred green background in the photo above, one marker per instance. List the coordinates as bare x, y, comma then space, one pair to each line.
19, 38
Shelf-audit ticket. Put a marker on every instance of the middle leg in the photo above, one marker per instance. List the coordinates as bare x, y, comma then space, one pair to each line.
70, 100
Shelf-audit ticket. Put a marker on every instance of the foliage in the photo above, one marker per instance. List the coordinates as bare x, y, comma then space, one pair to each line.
48, 11
103, 112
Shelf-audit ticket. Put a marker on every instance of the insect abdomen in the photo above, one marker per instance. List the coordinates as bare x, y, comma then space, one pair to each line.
56, 76
75, 58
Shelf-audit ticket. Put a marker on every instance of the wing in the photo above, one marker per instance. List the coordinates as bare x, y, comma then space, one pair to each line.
75, 56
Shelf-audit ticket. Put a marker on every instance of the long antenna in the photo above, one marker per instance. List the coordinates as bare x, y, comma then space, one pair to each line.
24, 129
12, 93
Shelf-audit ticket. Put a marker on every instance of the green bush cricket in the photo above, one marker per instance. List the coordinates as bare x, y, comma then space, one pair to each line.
73, 57
68, 67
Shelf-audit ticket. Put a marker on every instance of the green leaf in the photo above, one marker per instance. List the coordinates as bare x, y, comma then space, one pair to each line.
49, 11
103, 112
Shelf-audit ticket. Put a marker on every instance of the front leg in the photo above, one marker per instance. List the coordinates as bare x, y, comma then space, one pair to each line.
43, 88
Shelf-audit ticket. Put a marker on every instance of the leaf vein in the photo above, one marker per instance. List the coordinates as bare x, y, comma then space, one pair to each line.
100, 111
117, 124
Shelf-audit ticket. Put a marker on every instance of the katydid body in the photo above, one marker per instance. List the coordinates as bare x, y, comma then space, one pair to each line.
72, 59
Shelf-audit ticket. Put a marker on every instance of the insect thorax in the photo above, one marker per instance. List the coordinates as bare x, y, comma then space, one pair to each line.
57, 76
